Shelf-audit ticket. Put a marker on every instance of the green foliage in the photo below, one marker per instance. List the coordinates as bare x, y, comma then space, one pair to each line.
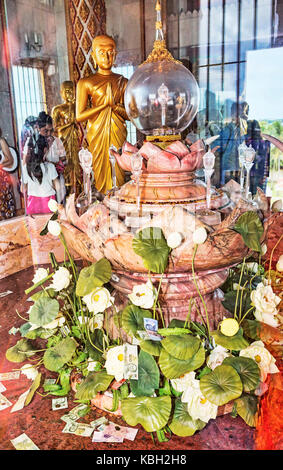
95, 382
132, 319
221, 385
44, 311
151, 245
33, 388
234, 343
21, 351
246, 407
247, 369
250, 227
57, 356
151, 412
182, 424
252, 329
173, 331
182, 347
230, 301
93, 276
148, 374
173, 368
151, 347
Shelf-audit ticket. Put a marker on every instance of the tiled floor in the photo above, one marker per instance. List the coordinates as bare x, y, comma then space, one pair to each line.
44, 426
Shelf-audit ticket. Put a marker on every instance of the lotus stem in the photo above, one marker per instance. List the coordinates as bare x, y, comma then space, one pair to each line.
271, 255
199, 293
188, 317
27, 291
238, 289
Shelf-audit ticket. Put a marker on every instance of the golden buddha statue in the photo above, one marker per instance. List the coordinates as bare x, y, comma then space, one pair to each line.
106, 116
67, 129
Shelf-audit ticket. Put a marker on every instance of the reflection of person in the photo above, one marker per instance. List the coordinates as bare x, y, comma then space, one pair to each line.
29, 129
106, 116
67, 129
39, 178
229, 139
56, 154
7, 200
260, 169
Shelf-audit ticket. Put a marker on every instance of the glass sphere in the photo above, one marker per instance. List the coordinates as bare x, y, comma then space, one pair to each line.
162, 98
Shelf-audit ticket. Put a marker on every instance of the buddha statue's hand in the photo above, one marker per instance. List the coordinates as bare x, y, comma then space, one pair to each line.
109, 96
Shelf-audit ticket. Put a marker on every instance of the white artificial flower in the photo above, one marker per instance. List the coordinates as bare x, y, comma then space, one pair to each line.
265, 302
183, 382
98, 300
54, 228
115, 362
61, 279
174, 240
96, 322
52, 205
216, 357
252, 266
39, 275
263, 358
143, 295
279, 264
199, 236
198, 406
29, 371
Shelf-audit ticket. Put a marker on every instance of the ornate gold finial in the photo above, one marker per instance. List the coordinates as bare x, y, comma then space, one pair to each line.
159, 52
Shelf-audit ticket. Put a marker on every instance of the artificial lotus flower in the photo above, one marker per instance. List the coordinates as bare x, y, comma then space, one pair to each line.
198, 406
174, 240
61, 279
217, 356
52, 205
183, 382
265, 301
115, 362
98, 300
56, 323
252, 266
143, 295
54, 228
29, 371
39, 275
263, 358
199, 236
96, 322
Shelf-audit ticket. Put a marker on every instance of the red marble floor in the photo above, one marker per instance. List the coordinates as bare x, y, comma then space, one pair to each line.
44, 426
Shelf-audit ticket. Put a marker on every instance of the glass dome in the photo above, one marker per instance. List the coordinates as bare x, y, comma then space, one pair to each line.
162, 97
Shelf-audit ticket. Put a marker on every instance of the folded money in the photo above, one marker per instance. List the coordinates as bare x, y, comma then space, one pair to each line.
59, 403
4, 402
23, 442
2, 388
131, 361
10, 375
79, 429
150, 324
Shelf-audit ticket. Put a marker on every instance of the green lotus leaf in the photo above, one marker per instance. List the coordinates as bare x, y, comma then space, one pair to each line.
132, 319
247, 369
95, 382
182, 347
252, 329
182, 424
93, 276
229, 301
222, 385
234, 343
21, 351
49, 292
44, 311
96, 339
173, 368
151, 347
151, 245
151, 412
33, 388
55, 358
247, 408
250, 227
148, 374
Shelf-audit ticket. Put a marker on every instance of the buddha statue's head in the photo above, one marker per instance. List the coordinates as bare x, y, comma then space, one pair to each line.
103, 53
68, 91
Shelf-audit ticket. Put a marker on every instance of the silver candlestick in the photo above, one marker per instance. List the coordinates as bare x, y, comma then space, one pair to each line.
113, 163
241, 152
248, 164
208, 163
136, 164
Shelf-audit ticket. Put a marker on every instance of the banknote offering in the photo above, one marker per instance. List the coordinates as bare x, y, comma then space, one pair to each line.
75, 413
149, 335
23, 442
98, 422
4, 402
150, 324
59, 403
2, 388
112, 432
20, 403
10, 375
79, 429
131, 361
